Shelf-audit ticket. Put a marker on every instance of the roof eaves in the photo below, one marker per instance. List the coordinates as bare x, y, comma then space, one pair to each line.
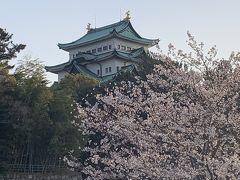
72, 44
83, 70
140, 41
85, 43
114, 25
57, 68
114, 33
131, 27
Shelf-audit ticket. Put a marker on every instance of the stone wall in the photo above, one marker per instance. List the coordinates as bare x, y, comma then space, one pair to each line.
40, 177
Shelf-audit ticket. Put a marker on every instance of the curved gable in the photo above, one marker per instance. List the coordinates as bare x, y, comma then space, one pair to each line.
122, 29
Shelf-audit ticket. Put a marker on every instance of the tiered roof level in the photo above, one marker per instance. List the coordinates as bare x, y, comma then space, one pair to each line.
104, 51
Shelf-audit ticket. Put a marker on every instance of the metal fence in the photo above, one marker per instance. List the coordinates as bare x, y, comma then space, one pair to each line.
23, 168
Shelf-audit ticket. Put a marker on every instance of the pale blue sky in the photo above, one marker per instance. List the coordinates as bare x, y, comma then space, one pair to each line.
44, 23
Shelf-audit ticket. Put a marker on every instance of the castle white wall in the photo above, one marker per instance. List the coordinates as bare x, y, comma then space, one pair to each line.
61, 75
112, 63
91, 47
107, 64
130, 44
114, 42
101, 66
120, 63
93, 67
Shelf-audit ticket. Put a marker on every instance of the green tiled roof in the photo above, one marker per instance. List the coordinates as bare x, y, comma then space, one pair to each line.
107, 78
58, 68
122, 29
76, 65
83, 70
133, 55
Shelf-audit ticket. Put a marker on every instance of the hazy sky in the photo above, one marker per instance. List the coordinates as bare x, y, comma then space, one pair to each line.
44, 23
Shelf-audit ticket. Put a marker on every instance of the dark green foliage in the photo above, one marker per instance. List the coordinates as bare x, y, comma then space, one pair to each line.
77, 85
43, 119
8, 50
37, 123
77, 88
146, 65
63, 110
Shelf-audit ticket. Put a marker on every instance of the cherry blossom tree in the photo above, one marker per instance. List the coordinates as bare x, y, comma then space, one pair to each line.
182, 122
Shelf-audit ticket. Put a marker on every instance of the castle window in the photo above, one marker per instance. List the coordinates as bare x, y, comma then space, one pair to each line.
99, 49
73, 55
128, 48
106, 70
119, 46
98, 72
105, 48
94, 50
109, 69
123, 48
110, 47
117, 68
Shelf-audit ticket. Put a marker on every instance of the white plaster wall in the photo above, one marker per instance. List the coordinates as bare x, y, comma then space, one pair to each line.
92, 46
102, 65
61, 75
107, 64
93, 67
113, 63
114, 42
130, 44
120, 63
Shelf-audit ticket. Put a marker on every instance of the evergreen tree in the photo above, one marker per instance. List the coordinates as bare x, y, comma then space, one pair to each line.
8, 50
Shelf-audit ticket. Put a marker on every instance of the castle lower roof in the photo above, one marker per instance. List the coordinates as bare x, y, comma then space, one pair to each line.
88, 58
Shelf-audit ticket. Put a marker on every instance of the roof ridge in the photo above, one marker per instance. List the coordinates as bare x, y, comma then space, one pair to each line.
114, 25
133, 30
118, 29
78, 66
107, 26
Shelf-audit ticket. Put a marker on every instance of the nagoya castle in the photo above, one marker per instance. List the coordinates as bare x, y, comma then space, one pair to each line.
103, 52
